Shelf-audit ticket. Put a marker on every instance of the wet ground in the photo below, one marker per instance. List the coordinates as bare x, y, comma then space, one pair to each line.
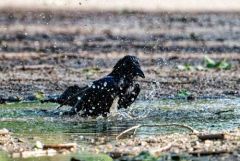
29, 123
47, 51
203, 115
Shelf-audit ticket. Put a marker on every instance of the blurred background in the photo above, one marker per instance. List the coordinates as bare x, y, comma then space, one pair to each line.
137, 5
183, 45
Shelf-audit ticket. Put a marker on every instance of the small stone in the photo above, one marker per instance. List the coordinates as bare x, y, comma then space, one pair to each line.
38, 145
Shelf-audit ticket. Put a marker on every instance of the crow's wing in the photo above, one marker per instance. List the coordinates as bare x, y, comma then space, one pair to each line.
98, 98
129, 97
69, 96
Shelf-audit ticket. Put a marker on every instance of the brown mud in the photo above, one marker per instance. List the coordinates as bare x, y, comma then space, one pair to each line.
48, 51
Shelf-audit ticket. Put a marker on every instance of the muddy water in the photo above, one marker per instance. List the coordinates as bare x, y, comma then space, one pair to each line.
29, 121
205, 115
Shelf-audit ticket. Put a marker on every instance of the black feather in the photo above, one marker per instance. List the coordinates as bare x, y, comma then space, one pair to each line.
97, 99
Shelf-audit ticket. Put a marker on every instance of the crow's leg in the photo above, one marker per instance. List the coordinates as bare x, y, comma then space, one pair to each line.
127, 99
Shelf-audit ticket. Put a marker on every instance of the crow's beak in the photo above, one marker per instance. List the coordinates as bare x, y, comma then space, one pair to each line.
140, 73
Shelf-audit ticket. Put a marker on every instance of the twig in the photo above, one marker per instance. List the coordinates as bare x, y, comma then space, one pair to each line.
158, 151
220, 136
35, 153
48, 150
70, 146
199, 153
122, 134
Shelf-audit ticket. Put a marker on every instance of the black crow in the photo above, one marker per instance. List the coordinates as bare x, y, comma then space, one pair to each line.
116, 89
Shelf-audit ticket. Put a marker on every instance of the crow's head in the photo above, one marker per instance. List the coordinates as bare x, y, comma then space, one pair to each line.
128, 67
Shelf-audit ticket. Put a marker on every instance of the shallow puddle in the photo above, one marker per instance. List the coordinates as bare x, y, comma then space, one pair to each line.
28, 121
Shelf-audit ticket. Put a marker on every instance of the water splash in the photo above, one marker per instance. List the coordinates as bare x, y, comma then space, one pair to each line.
208, 115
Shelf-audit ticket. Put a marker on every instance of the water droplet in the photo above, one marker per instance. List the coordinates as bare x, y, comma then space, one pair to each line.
89, 85
105, 84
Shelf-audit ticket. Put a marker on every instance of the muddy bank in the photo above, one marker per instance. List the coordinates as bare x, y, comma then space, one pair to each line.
47, 51
175, 147
214, 146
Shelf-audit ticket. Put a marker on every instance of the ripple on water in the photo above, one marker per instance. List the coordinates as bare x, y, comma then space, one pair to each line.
207, 115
